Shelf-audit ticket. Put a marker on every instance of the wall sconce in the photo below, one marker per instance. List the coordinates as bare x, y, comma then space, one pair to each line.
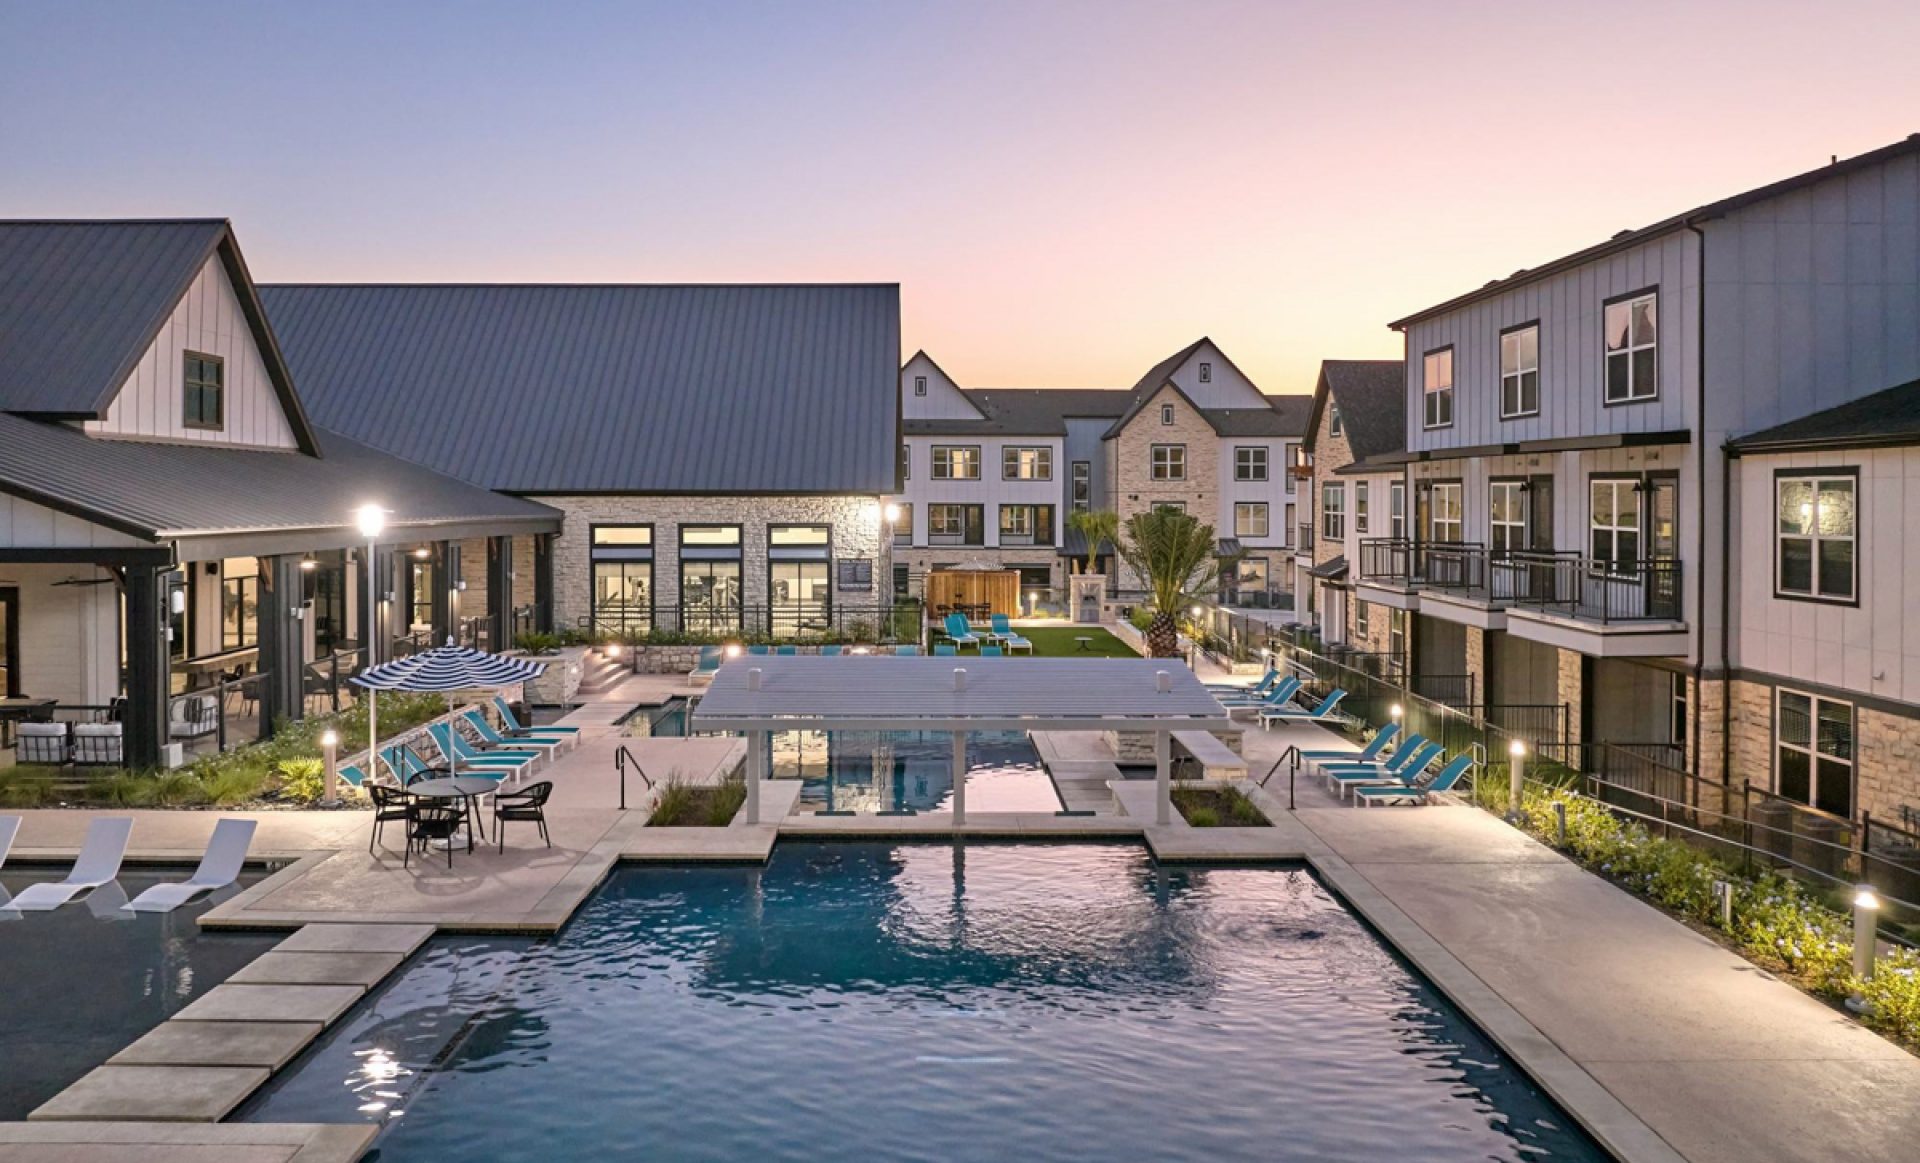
308, 564
177, 601
460, 587
422, 553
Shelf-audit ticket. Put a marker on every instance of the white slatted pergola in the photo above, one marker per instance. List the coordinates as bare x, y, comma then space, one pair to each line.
760, 694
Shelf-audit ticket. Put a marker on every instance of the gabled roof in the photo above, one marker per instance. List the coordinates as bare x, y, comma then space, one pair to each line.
1886, 419
1157, 377
81, 302
691, 389
1372, 397
162, 491
1283, 416
1025, 411
1279, 418
1628, 238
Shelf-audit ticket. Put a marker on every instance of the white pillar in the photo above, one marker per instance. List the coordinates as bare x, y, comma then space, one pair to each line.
756, 771
1162, 777
959, 777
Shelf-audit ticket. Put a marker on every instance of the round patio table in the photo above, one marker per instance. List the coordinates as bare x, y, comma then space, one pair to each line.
468, 788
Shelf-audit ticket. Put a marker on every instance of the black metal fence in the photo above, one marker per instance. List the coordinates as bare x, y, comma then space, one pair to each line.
892, 621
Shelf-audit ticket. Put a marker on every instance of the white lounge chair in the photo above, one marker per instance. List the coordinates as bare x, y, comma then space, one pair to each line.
9, 828
99, 863
220, 867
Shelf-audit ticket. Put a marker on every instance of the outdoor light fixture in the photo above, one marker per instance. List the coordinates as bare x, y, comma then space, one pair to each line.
330, 767
330, 739
177, 601
1516, 769
733, 650
1866, 903
893, 513
421, 553
308, 564
1396, 711
372, 520
613, 650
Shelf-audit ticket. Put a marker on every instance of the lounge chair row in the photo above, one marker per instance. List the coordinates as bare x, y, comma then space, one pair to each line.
102, 853
1374, 775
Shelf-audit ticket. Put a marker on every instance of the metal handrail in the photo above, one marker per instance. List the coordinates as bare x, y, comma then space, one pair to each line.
1293, 753
622, 759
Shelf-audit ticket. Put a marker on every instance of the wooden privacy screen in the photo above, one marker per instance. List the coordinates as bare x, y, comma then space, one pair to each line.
998, 590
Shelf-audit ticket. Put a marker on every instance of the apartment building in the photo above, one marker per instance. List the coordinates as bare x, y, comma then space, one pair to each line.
989, 475
1579, 525
1356, 416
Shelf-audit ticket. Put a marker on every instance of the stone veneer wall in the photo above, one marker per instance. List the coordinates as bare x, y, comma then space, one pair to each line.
855, 521
1567, 692
1130, 467
1886, 751
1477, 663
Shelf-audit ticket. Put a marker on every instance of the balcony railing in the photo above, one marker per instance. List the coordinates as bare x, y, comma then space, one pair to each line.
1591, 590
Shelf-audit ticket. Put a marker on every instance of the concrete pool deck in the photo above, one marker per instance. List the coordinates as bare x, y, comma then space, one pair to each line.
1663, 1044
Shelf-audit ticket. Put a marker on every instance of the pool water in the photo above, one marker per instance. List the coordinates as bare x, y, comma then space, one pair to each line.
80, 983
882, 1001
895, 771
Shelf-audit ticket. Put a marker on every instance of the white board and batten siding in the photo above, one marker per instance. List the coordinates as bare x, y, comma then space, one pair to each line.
208, 320
944, 399
1277, 492
991, 490
26, 525
1224, 386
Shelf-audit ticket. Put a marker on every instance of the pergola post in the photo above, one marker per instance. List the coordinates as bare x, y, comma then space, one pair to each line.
1162, 778
959, 777
756, 771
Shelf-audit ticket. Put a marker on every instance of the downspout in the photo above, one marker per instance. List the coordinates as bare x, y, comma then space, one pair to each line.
1700, 581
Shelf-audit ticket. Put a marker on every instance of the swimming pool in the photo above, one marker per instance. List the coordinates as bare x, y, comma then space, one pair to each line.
80, 983
882, 1001
894, 771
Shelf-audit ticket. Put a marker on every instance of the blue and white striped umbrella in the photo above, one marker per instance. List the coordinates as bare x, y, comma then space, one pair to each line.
449, 668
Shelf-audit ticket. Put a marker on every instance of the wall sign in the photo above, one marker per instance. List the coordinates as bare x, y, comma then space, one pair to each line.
856, 574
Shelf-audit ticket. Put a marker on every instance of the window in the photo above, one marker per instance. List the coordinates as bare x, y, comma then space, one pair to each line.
1446, 520
1169, 462
1334, 427
956, 525
710, 579
1250, 575
1082, 485
1615, 519
1397, 510
956, 462
902, 583
1250, 464
1250, 519
1520, 371
1396, 633
1169, 506
622, 577
903, 528
919, 385
906, 462
1333, 511
1166, 414
1360, 506
1506, 517
1677, 728
239, 603
1813, 751
799, 579
1206, 372
1289, 454
1026, 524
203, 390
1360, 619
1026, 464
1439, 388
1632, 348
1815, 537
420, 587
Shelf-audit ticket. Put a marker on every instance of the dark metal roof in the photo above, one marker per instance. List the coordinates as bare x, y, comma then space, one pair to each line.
1628, 238
1332, 569
1152, 382
1888, 418
609, 388
1283, 416
1025, 411
81, 302
1372, 397
161, 491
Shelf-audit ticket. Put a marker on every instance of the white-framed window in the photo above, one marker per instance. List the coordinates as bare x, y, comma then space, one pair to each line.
956, 462
1614, 517
1396, 632
1333, 420
1082, 485
1169, 462
1360, 506
1397, 510
1166, 414
1360, 618
1026, 464
1446, 517
1206, 372
1633, 349
1333, 511
906, 461
1249, 518
1815, 541
1677, 721
1506, 517
1520, 371
903, 528
1249, 463
1437, 373
956, 524
1289, 454
1026, 524
1813, 751
919, 385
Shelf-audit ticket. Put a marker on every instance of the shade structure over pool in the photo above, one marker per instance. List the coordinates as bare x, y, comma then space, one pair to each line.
758, 694
447, 669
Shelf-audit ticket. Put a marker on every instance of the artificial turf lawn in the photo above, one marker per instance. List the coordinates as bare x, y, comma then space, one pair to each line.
1058, 642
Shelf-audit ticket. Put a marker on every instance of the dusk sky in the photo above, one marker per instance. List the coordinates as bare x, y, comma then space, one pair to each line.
1065, 191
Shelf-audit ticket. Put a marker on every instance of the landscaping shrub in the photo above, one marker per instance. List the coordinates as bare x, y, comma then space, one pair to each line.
302, 780
537, 643
685, 805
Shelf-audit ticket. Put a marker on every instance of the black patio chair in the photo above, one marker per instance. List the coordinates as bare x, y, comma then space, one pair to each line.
388, 804
427, 822
528, 804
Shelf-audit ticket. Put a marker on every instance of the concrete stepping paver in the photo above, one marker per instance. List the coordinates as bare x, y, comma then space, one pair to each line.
193, 1094
180, 1043
268, 1003
327, 937
277, 968
116, 1141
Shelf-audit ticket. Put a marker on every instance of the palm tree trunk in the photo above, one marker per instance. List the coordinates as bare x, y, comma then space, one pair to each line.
1163, 637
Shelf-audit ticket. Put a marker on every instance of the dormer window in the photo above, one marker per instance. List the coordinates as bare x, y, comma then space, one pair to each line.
1206, 373
203, 386
919, 385
1333, 421
1166, 414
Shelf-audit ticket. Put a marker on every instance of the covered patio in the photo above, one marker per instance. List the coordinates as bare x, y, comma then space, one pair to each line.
762, 694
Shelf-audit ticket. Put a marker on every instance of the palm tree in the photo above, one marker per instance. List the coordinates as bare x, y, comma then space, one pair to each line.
1097, 527
1177, 557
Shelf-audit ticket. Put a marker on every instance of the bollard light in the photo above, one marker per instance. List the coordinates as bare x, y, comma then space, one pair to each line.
1396, 711
1866, 908
1560, 822
1516, 770
1723, 893
733, 650
330, 765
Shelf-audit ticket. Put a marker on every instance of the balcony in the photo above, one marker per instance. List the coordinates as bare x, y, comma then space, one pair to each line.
1303, 537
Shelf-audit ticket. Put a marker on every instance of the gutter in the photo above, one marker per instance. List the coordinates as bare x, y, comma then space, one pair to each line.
1726, 534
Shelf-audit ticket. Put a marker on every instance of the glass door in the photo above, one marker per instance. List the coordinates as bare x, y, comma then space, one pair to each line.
9, 642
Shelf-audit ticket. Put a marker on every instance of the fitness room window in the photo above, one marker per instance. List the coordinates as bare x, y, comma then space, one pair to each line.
622, 578
710, 579
799, 579
239, 602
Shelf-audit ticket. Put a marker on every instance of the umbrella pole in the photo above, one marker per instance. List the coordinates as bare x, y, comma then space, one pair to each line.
453, 749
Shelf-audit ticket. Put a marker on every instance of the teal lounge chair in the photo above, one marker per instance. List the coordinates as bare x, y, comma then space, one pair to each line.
1416, 793
830, 651
1405, 765
905, 651
1320, 714
1366, 754
991, 652
532, 745
1256, 690
1278, 699
1275, 695
710, 659
759, 650
786, 650
945, 648
353, 775
513, 727
960, 632
1009, 638
1016, 642
466, 757
1002, 627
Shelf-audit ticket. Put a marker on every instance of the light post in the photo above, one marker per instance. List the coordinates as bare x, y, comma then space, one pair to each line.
372, 520
330, 764
1866, 904
1516, 770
